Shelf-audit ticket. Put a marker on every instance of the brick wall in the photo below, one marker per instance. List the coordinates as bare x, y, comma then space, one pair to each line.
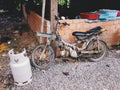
111, 36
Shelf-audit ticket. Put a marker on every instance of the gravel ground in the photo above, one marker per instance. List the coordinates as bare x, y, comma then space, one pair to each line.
103, 75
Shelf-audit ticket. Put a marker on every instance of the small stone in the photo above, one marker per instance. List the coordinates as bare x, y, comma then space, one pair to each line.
107, 65
4, 54
43, 71
9, 42
118, 51
105, 89
66, 73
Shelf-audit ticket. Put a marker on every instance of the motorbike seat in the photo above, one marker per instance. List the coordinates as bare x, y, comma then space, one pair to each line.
91, 32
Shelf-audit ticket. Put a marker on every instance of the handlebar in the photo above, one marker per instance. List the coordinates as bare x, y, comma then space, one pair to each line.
56, 18
64, 23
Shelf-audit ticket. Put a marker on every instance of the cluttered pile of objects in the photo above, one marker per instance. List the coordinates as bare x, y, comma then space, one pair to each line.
101, 15
14, 35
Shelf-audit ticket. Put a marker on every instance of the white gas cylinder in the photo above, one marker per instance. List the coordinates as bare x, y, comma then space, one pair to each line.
20, 66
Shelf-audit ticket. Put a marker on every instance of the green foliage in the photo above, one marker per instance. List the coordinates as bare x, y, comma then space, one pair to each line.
60, 2
64, 2
38, 2
15, 5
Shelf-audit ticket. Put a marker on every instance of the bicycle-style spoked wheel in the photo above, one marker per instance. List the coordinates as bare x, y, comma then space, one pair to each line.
98, 50
43, 56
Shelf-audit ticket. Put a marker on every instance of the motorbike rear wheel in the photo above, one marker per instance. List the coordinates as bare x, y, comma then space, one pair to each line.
43, 56
98, 46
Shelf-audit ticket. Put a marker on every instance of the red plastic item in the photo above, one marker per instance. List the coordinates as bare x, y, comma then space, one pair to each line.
118, 14
90, 16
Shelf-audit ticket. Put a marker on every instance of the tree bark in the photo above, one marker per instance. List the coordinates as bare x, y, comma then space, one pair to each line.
53, 13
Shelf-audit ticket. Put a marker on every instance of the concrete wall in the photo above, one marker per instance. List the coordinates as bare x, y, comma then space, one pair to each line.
111, 36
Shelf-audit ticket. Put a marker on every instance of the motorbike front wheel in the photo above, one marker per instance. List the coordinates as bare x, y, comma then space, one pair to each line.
43, 56
99, 50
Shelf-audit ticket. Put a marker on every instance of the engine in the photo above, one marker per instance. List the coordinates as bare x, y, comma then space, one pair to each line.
73, 53
68, 51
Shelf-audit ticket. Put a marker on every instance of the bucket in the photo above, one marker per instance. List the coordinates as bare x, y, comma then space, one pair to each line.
20, 66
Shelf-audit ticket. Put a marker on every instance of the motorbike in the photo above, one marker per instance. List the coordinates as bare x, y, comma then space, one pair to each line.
87, 44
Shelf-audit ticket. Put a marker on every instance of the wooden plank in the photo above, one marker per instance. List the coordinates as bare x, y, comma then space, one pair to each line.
43, 15
24, 12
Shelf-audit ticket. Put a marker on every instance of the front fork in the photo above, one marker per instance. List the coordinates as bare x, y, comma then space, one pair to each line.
43, 51
48, 43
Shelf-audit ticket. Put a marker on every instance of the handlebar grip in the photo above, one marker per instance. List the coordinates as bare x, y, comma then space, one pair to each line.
56, 17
